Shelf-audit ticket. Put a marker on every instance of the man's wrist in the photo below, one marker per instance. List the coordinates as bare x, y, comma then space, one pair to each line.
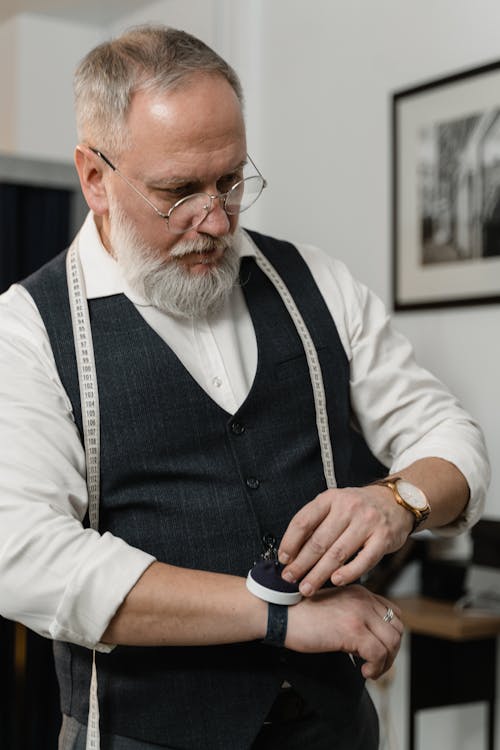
408, 496
405, 513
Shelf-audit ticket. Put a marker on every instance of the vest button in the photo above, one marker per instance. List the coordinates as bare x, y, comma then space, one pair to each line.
253, 483
237, 428
269, 540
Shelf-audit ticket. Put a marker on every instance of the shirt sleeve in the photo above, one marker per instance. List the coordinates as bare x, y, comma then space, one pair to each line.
404, 412
58, 578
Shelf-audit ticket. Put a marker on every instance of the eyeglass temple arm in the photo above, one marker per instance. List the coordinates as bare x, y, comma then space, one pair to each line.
130, 184
105, 158
257, 170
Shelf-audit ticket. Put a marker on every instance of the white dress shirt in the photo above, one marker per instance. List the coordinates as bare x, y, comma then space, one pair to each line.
66, 582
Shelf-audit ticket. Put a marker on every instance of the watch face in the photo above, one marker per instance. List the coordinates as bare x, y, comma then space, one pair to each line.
412, 495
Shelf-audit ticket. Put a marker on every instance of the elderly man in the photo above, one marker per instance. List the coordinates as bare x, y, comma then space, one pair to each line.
178, 401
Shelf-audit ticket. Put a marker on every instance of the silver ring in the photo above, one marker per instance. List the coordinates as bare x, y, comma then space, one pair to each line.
389, 615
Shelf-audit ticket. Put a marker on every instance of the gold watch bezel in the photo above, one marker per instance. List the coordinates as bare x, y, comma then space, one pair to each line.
420, 515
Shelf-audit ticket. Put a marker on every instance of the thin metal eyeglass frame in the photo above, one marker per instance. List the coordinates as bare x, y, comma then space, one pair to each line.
166, 216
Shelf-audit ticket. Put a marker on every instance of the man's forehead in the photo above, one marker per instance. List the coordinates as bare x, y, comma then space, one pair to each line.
205, 97
188, 127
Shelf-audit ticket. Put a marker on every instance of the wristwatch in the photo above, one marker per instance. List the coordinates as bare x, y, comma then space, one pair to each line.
410, 497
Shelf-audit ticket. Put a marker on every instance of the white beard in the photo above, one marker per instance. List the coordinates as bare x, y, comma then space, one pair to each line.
167, 284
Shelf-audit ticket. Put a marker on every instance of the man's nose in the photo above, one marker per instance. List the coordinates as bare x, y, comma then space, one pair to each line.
217, 221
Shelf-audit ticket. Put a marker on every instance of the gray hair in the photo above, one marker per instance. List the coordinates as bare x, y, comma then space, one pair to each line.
154, 58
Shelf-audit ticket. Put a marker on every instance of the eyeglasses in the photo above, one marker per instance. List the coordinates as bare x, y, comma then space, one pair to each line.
192, 210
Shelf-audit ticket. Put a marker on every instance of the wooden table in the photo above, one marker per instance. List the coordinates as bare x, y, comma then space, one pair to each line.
452, 658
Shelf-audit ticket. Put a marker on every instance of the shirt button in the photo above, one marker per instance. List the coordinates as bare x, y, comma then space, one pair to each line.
237, 428
253, 483
217, 382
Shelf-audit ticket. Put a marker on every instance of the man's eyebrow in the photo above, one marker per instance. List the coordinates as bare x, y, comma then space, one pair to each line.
175, 180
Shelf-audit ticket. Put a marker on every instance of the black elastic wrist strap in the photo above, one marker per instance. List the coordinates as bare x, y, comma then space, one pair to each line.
277, 621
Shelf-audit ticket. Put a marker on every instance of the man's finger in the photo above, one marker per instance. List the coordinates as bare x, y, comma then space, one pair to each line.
384, 646
328, 548
365, 559
319, 559
300, 528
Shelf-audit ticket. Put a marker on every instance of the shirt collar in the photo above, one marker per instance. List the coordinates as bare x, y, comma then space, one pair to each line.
102, 275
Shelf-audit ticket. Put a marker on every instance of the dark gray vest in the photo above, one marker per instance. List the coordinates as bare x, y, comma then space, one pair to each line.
199, 488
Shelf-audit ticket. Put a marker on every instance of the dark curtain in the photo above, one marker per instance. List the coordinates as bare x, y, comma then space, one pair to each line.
29, 695
34, 227
7, 683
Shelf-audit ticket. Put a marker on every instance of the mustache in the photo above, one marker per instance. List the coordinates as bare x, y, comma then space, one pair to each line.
200, 246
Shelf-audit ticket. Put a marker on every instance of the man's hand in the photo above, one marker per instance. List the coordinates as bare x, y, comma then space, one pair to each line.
362, 523
350, 619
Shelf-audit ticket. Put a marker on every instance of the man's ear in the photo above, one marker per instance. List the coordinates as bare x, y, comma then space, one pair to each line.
90, 170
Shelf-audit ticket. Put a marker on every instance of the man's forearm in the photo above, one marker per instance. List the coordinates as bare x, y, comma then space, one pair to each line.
181, 607
178, 607
445, 487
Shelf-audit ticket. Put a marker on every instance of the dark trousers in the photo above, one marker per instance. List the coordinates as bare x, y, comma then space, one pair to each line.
303, 731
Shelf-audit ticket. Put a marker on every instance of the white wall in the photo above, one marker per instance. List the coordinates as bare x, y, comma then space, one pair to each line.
49, 51
8, 84
37, 59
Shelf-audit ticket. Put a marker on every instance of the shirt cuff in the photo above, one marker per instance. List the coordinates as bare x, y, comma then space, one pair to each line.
96, 592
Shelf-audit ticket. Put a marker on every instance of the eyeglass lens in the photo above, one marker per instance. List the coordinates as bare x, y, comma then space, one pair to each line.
192, 210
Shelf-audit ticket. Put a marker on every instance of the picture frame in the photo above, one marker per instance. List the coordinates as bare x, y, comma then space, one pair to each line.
446, 191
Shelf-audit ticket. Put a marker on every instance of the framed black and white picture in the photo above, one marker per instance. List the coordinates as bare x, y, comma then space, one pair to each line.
446, 191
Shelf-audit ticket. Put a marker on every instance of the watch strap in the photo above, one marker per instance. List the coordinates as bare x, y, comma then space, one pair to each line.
277, 622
